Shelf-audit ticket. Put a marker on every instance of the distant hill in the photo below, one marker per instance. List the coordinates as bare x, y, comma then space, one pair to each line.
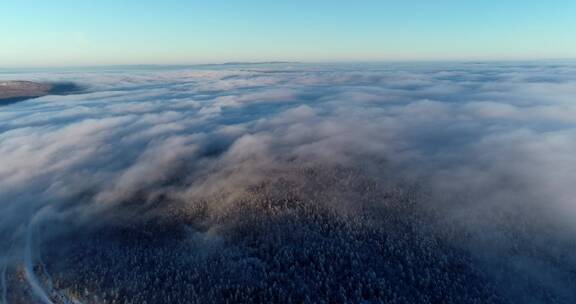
259, 63
13, 91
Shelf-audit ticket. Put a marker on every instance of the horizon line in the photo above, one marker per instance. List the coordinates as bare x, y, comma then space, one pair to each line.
301, 62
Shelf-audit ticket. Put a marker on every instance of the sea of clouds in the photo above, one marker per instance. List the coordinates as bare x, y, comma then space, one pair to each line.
493, 145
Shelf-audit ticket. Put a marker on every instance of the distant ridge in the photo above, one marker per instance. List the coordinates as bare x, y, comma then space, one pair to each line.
14, 91
259, 63
19, 90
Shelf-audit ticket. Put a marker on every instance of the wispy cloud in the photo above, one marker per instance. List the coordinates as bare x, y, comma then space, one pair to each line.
491, 145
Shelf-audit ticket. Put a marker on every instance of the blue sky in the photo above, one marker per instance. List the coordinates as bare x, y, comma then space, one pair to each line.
94, 32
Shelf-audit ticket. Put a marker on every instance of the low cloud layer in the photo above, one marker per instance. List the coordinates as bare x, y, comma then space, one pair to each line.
489, 148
